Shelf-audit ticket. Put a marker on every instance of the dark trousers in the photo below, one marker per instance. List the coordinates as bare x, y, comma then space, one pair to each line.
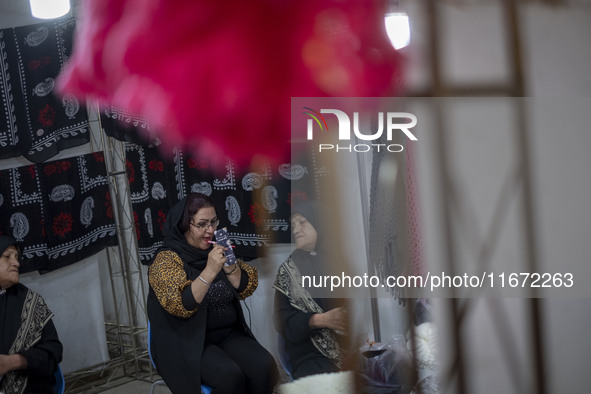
238, 365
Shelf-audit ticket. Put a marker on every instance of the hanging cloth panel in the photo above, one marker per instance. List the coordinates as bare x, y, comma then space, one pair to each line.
152, 186
59, 211
387, 220
78, 222
36, 123
234, 202
254, 205
125, 126
22, 214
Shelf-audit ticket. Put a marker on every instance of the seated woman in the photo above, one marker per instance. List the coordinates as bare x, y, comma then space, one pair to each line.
199, 335
30, 350
308, 325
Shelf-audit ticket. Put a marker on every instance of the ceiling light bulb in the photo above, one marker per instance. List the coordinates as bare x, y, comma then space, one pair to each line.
49, 9
398, 29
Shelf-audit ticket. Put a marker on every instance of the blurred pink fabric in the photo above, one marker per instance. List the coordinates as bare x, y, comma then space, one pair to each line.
218, 77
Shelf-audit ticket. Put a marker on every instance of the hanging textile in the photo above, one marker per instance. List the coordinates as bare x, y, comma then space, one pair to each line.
275, 199
395, 239
386, 217
22, 214
77, 225
38, 124
232, 191
157, 183
58, 211
125, 126
415, 237
152, 187
253, 206
308, 174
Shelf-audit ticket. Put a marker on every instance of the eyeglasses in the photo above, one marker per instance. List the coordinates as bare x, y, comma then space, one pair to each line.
202, 226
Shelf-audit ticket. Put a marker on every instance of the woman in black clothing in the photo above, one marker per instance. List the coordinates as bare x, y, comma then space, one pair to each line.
309, 326
30, 350
199, 335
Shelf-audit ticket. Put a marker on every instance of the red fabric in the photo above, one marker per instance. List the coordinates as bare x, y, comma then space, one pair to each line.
220, 75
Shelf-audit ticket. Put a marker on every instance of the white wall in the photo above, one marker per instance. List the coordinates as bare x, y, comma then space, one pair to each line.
75, 297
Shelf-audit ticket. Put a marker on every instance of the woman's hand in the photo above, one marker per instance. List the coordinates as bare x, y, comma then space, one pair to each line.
335, 319
12, 363
215, 262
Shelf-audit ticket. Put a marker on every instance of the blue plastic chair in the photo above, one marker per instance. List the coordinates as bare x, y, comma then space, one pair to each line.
60, 382
204, 389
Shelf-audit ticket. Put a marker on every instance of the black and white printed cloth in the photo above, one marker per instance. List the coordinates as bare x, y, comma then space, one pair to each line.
253, 204
60, 212
36, 123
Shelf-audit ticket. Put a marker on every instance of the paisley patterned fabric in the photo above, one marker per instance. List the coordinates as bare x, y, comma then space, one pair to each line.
252, 206
37, 124
60, 211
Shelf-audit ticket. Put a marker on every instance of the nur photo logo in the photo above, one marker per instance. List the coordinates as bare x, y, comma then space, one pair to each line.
390, 124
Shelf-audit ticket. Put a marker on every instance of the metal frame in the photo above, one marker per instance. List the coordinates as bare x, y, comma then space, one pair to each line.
458, 308
127, 333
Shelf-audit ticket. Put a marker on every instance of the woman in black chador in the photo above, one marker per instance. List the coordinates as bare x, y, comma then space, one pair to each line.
198, 332
30, 350
311, 327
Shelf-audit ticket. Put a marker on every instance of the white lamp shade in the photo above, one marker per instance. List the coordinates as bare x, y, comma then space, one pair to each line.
49, 9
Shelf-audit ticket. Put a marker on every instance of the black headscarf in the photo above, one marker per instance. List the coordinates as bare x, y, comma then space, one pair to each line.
311, 263
10, 309
5, 242
175, 240
311, 210
320, 262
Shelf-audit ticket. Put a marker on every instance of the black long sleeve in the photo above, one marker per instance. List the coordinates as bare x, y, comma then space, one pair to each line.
293, 324
44, 357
